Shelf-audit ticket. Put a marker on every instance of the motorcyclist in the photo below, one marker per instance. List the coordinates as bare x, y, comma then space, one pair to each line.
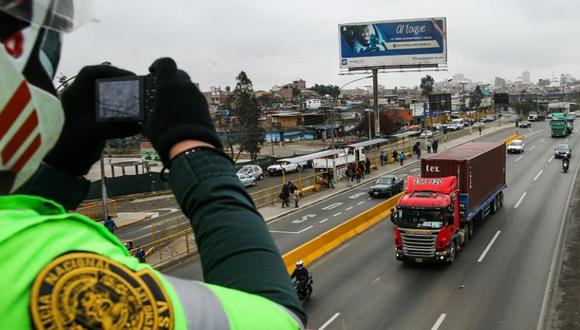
63, 270
565, 163
302, 275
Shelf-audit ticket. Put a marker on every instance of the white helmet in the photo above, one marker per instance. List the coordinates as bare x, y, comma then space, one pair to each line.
31, 115
299, 264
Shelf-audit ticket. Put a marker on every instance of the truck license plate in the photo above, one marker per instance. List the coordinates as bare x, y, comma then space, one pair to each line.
419, 260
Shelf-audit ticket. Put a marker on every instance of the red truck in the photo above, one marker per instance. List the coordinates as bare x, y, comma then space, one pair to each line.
458, 188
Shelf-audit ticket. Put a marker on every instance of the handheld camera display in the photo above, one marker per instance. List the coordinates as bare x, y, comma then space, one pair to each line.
124, 99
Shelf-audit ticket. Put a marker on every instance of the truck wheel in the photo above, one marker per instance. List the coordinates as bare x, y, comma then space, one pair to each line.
500, 200
452, 253
470, 229
466, 237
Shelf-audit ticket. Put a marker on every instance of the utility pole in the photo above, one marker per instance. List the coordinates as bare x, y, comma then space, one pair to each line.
370, 112
376, 99
332, 129
104, 187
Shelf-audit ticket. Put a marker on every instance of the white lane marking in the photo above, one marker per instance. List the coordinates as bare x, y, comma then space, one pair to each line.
327, 323
566, 141
304, 218
361, 203
414, 170
339, 213
532, 148
488, 246
542, 140
349, 208
520, 200
538, 175
439, 322
332, 206
323, 220
291, 232
520, 157
551, 158
357, 195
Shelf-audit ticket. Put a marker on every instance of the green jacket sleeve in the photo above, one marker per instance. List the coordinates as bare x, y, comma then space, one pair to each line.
234, 244
49, 183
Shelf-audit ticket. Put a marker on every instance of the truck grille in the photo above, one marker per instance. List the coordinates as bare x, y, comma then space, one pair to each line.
419, 244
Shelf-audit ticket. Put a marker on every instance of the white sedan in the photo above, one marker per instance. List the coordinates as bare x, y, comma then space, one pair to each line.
516, 146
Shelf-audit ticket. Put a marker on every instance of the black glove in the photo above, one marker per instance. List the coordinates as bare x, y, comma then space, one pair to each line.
181, 111
82, 139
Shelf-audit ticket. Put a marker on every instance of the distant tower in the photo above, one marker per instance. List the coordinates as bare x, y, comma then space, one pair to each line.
526, 77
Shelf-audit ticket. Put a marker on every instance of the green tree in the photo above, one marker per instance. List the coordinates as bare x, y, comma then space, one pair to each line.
426, 86
323, 90
249, 134
475, 98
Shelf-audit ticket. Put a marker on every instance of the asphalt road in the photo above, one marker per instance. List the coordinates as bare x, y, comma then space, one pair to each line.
497, 282
299, 227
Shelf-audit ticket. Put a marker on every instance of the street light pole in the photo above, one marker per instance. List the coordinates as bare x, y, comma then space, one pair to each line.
339, 90
376, 99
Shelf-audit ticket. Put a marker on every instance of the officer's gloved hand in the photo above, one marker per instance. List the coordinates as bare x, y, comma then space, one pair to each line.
82, 139
181, 112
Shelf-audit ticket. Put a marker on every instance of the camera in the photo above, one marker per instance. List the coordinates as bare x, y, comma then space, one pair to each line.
125, 99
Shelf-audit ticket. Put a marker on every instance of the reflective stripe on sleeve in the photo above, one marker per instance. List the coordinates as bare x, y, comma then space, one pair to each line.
200, 305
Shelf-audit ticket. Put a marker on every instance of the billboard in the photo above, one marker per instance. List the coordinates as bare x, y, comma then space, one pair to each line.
393, 44
501, 98
439, 103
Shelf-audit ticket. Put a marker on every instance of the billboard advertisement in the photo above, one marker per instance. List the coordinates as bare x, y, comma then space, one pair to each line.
439, 103
399, 43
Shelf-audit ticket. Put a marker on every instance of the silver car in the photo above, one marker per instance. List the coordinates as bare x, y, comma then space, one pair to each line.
247, 180
252, 170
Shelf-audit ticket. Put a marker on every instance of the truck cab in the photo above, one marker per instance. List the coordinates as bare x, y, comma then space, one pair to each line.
427, 220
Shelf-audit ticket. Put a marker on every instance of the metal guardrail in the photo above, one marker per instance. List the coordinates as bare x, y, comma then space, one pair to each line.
95, 210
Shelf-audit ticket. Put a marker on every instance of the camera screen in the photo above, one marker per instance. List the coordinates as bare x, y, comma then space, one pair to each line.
120, 99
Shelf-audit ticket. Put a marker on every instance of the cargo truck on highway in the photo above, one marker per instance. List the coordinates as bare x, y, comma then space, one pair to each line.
559, 126
438, 212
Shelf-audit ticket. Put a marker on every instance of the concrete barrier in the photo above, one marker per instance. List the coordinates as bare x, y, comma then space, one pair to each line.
328, 241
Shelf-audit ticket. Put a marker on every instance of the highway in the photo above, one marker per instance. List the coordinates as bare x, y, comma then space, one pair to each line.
498, 280
299, 227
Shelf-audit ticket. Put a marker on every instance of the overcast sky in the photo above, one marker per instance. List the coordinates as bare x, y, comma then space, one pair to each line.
276, 42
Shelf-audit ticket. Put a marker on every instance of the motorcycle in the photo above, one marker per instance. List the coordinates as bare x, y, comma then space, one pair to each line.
304, 288
565, 164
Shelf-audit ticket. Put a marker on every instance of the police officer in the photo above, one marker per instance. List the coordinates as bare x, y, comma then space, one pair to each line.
63, 270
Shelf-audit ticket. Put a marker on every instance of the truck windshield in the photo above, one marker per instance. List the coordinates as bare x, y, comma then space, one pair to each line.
558, 122
424, 219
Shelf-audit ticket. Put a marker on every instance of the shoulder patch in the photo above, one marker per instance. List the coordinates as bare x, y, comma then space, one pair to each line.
82, 290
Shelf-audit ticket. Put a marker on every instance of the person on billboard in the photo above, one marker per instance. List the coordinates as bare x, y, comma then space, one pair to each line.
366, 38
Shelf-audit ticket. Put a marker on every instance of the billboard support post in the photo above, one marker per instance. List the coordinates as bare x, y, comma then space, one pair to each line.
376, 100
